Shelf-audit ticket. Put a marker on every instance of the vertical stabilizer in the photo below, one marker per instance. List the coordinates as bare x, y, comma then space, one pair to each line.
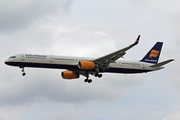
153, 55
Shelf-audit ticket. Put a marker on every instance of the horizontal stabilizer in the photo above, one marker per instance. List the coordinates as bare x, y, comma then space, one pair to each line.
162, 63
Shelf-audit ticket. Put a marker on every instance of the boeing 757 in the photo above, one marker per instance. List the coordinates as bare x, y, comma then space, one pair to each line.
76, 66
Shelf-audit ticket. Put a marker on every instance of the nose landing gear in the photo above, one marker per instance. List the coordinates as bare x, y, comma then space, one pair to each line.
23, 72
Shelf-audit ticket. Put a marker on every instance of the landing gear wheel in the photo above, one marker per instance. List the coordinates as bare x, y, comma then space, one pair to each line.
86, 80
100, 75
23, 74
89, 81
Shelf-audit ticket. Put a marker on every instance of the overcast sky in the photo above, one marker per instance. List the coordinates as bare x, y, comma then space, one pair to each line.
89, 28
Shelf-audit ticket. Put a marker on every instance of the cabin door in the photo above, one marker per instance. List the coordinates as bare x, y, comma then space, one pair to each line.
143, 66
51, 59
23, 58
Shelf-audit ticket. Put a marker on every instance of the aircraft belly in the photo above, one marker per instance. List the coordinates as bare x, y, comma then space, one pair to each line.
43, 65
125, 70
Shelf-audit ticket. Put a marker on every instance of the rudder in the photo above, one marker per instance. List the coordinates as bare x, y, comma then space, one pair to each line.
153, 55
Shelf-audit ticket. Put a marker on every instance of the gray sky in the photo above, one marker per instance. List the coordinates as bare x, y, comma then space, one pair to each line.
90, 28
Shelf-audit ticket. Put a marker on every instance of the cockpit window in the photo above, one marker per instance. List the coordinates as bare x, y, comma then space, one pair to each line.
12, 57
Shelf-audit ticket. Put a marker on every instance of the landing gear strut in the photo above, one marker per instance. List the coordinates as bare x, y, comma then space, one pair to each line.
23, 72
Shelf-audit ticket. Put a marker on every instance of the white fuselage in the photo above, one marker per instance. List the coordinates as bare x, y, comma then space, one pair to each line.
70, 63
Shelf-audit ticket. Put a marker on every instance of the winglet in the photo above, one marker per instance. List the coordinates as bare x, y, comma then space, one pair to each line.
137, 40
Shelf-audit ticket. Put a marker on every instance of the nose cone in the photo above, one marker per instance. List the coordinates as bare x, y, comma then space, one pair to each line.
11, 60
6, 62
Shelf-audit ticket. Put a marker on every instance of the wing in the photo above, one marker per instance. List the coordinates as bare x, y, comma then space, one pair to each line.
103, 62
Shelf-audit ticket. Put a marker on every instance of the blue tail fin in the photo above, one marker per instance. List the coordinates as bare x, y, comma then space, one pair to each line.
153, 55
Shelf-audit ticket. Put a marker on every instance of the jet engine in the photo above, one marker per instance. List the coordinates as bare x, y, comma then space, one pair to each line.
69, 75
86, 65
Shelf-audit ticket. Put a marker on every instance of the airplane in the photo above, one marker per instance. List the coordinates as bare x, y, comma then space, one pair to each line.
76, 66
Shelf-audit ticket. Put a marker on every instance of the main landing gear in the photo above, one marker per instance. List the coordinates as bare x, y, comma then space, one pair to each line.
89, 80
98, 75
23, 72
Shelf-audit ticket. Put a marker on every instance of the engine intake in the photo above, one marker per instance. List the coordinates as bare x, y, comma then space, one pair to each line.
69, 75
86, 65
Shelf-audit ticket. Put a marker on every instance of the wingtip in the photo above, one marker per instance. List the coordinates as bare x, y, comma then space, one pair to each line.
172, 59
137, 40
138, 37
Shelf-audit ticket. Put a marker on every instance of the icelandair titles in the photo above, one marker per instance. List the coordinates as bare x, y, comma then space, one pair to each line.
36, 56
151, 60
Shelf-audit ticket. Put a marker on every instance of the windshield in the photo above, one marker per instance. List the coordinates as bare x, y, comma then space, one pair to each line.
12, 57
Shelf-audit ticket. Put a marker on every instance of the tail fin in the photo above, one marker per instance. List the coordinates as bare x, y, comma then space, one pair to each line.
153, 55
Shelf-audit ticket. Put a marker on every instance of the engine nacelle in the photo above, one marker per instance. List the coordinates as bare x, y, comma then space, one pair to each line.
69, 75
86, 65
